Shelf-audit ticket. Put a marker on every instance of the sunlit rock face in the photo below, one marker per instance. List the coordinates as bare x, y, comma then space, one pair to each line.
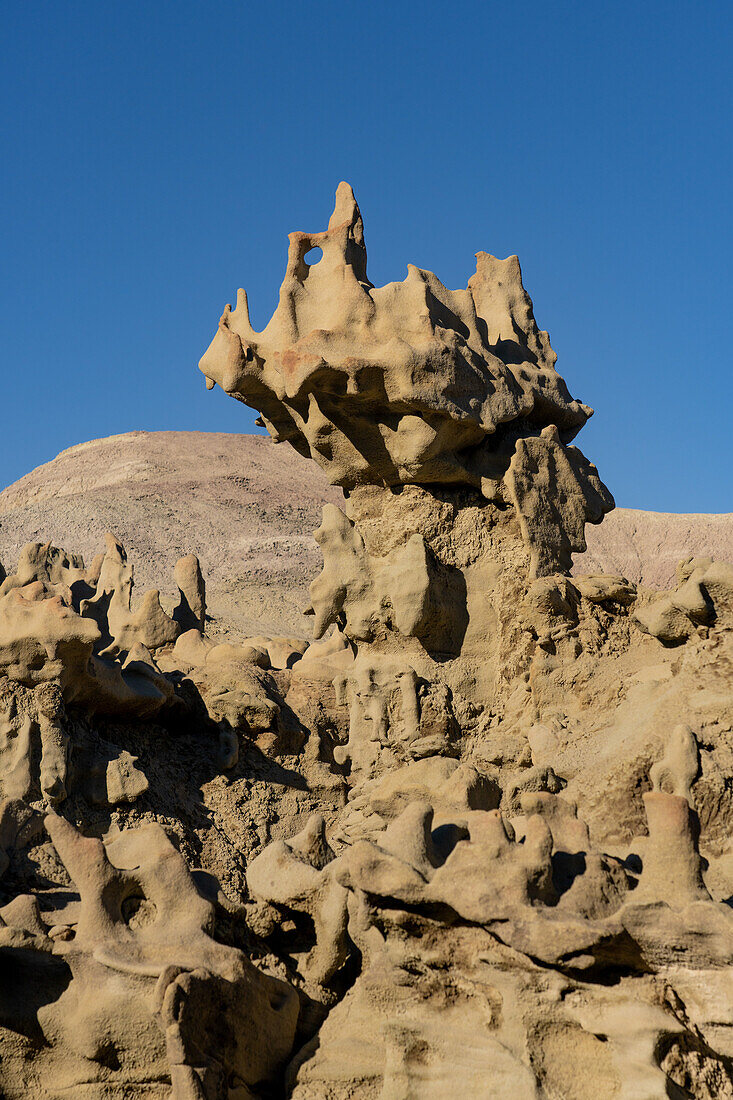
412, 383
473, 837
442, 416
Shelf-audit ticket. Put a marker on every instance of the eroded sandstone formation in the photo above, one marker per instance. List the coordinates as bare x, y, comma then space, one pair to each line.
473, 838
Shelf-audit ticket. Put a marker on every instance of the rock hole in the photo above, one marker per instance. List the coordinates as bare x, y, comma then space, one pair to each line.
313, 256
138, 911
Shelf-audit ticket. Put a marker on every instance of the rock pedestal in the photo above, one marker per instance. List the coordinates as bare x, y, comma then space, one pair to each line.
411, 857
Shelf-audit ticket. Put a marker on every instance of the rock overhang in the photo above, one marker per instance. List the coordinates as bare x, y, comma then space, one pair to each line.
406, 383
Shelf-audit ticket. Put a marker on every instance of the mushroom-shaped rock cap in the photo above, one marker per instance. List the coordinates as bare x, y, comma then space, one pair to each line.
406, 383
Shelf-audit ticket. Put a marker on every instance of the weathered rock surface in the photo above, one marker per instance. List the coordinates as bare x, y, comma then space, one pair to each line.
474, 838
246, 509
249, 510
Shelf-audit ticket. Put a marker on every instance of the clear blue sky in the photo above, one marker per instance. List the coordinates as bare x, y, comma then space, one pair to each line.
155, 155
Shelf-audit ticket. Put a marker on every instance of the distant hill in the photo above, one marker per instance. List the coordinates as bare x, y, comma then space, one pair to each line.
646, 546
248, 509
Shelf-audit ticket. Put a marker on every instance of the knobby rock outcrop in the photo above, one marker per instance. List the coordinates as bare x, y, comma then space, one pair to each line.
473, 836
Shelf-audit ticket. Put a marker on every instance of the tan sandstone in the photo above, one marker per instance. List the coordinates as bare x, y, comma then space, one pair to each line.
474, 838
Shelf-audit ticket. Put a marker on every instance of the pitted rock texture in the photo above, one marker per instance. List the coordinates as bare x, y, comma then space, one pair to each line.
473, 838
392, 384
414, 384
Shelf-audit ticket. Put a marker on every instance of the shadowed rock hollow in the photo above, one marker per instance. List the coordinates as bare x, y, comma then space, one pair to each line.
473, 837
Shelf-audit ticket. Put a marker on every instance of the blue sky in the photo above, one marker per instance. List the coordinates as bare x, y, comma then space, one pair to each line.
155, 155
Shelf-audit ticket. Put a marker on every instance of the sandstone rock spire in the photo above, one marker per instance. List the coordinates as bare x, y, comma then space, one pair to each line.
415, 384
